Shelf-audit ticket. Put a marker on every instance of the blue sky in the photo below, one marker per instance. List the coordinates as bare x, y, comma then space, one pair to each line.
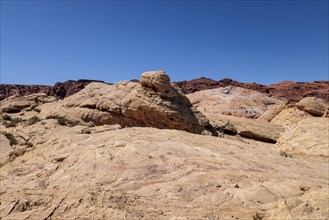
43, 42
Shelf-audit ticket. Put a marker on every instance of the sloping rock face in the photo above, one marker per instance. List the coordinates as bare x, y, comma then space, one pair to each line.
148, 173
304, 133
59, 90
16, 104
288, 116
310, 136
152, 103
5, 149
286, 90
232, 110
271, 112
313, 106
232, 100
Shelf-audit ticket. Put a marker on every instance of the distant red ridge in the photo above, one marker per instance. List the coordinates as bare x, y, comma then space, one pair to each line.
59, 90
288, 90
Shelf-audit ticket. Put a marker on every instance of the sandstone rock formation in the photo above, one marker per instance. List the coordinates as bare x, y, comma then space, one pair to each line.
80, 157
313, 105
310, 136
289, 116
203, 83
247, 128
5, 149
232, 100
304, 134
152, 103
272, 111
15, 104
296, 91
148, 173
59, 90
286, 90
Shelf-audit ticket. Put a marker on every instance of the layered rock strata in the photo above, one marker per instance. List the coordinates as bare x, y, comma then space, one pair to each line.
151, 103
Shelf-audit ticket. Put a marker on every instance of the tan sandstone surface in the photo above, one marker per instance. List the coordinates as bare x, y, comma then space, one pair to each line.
147, 173
152, 103
98, 155
232, 100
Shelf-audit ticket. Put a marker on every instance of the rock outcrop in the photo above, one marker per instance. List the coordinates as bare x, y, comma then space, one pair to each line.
296, 91
247, 128
309, 136
287, 90
272, 111
153, 103
232, 100
203, 83
288, 114
56, 164
313, 106
59, 90
16, 104
305, 132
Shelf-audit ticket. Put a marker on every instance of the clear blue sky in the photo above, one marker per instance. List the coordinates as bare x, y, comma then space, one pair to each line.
43, 42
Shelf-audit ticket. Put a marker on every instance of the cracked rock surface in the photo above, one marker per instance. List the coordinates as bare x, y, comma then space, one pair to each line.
149, 173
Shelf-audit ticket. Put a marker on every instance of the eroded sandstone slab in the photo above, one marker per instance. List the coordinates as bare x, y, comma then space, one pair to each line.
148, 173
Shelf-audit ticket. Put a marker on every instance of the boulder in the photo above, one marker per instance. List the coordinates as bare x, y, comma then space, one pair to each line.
312, 105
248, 128
158, 81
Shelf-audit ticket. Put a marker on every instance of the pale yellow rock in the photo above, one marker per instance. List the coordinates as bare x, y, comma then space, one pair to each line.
160, 81
310, 136
5, 148
310, 205
16, 104
232, 100
271, 112
112, 172
290, 116
313, 105
245, 127
148, 173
